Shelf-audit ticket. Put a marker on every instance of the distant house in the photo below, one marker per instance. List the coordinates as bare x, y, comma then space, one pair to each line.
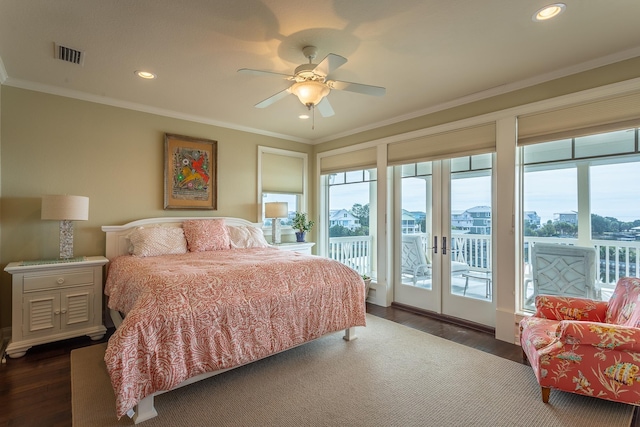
476, 220
461, 221
410, 224
344, 218
532, 218
419, 216
569, 217
481, 216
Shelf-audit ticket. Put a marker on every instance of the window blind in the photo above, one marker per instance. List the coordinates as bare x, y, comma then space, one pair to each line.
352, 160
282, 174
460, 142
605, 115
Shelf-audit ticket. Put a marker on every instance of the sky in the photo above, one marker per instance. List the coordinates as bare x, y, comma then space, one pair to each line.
615, 192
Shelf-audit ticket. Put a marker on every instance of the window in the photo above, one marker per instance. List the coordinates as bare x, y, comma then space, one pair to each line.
580, 191
351, 218
282, 178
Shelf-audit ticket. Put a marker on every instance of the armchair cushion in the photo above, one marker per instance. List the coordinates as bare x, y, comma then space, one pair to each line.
624, 306
604, 336
538, 332
570, 308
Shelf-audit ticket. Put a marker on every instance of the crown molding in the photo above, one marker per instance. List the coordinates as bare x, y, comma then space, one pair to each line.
83, 96
495, 91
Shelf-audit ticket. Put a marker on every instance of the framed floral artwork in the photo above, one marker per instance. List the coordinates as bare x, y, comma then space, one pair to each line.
190, 172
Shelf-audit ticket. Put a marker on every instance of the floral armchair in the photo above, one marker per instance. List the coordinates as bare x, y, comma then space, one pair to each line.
586, 346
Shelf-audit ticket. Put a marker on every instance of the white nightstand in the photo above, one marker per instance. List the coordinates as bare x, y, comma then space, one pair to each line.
302, 247
53, 301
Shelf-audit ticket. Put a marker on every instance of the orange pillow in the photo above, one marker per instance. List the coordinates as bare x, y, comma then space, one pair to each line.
206, 235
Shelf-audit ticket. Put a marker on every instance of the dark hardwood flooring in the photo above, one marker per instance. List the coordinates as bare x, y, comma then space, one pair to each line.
35, 390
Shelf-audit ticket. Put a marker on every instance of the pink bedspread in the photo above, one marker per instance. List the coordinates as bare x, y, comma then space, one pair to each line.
205, 311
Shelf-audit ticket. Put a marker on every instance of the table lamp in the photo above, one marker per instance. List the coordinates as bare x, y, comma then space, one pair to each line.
276, 210
65, 209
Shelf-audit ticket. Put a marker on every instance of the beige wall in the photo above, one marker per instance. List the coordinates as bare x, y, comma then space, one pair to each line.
114, 156
613, 73
51, 144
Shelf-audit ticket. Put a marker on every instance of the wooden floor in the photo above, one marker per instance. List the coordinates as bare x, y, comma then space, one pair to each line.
35, 390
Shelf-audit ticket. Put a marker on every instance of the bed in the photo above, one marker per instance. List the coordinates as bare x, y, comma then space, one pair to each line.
194, 297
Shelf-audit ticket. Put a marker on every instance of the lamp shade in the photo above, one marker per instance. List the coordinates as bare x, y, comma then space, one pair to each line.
276, 210
63, 207
310, 92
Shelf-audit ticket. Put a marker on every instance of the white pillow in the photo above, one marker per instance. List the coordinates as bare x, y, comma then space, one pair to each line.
243, 236
154, 241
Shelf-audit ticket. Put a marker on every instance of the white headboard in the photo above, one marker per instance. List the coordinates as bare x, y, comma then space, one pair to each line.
118, 235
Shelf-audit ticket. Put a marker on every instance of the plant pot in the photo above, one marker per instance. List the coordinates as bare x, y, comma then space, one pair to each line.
367, 284
299, 236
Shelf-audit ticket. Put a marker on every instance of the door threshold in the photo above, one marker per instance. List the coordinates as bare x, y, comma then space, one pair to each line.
445, 318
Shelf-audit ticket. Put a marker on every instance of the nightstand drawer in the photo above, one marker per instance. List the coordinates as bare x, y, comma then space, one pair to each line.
62, 280
301, 247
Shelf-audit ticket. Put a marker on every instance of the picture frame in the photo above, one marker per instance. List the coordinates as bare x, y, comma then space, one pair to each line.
190, 173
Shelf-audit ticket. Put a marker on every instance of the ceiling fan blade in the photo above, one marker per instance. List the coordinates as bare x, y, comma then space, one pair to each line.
325, 108
357, 87
330, 63
273, 98
263, 73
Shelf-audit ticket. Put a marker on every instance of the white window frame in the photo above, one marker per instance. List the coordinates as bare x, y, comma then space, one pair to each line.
302, 199
582, 166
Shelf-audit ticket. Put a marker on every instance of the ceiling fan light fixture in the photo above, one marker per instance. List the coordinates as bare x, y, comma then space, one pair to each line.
310, 92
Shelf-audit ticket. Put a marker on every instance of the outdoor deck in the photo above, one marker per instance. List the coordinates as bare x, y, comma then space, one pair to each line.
477, 287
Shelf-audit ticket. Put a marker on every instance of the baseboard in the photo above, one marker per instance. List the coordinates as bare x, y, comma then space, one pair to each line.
377, 295
5, 335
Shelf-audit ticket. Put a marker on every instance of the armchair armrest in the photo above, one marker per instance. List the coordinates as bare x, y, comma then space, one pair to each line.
601, 335
554, 307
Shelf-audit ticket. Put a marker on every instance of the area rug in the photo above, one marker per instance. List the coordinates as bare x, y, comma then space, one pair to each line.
391, 375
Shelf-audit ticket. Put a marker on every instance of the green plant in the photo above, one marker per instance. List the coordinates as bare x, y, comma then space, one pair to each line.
365, 277
301, 223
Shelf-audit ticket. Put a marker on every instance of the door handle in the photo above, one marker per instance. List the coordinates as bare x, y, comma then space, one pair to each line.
435, 244
444, 245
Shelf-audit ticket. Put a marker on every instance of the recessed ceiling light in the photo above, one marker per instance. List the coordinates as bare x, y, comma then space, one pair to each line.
549, 11
303, 116
145, 75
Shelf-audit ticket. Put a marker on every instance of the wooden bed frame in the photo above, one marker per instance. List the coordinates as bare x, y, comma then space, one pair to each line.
117, 243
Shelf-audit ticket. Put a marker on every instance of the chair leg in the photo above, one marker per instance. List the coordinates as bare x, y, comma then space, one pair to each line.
545, 394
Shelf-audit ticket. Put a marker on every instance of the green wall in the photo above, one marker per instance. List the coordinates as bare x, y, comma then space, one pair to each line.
56, 145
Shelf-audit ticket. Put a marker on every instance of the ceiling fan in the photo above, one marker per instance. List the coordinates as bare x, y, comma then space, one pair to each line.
311, 84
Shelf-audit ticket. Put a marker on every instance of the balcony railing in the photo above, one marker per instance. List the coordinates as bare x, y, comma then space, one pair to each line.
354, 251
614, 258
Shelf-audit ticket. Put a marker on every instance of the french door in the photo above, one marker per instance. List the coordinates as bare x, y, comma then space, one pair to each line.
443, 249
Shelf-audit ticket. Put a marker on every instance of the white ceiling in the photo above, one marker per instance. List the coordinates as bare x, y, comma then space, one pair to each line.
427, 53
